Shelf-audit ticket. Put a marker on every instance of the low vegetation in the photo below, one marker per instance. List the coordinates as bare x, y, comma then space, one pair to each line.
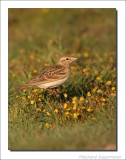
80, 114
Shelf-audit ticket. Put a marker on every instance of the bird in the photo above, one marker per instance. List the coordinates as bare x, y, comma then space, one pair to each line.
51, 77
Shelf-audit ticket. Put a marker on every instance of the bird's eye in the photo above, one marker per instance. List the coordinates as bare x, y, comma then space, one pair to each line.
67, 59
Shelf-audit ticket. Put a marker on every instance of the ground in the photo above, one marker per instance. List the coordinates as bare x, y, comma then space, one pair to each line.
82, 114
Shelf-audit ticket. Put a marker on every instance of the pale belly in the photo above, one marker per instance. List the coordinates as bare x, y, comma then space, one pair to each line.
52, 84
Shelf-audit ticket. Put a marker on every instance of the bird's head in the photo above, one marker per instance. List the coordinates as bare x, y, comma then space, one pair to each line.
67, 60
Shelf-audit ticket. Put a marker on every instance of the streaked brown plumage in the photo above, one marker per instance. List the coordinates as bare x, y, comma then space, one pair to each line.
52, 76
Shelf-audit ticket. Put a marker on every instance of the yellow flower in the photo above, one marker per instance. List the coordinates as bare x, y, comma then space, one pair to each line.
93, 118
35, 90
81, 99
86, 55
96, 98
17, 96
32, 102
29, 97
65, 95
68, 109
103, 104
41, 89
65, 105
47, 125
74, 98
48, 113
39, 100
50, 125
88, 94
103, 99
66, 113
72, 67
24, 90
83, 107
99, 91
113, 88
43, 110
56, 110
74, 102
38, 109
32, 56
84, 69
74, 108
75, 115
40, 95
89, 109
35, 71
94, 90
87, 73
98, 78
24, 98
108, 83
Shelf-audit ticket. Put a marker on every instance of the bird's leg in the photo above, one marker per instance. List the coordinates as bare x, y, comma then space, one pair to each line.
50, 91
54, 91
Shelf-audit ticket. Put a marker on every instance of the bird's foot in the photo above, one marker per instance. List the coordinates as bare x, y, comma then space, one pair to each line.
54, 91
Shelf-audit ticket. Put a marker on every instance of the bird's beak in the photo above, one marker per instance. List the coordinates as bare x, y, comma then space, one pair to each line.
74, 59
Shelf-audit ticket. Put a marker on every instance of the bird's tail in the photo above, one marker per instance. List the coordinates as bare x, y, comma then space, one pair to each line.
19, 88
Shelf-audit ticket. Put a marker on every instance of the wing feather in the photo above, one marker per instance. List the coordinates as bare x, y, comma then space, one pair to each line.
49, 75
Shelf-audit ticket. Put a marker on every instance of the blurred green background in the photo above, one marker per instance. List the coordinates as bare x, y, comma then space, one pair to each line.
83, 115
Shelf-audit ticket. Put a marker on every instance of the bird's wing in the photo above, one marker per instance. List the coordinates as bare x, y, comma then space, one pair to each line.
49, 75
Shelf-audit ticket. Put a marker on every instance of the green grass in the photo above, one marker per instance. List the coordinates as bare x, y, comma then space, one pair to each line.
37, 39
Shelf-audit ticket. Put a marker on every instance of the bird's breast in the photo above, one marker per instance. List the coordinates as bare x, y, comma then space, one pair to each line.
53, 84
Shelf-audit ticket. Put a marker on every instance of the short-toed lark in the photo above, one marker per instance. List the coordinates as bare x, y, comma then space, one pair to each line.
53, 76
